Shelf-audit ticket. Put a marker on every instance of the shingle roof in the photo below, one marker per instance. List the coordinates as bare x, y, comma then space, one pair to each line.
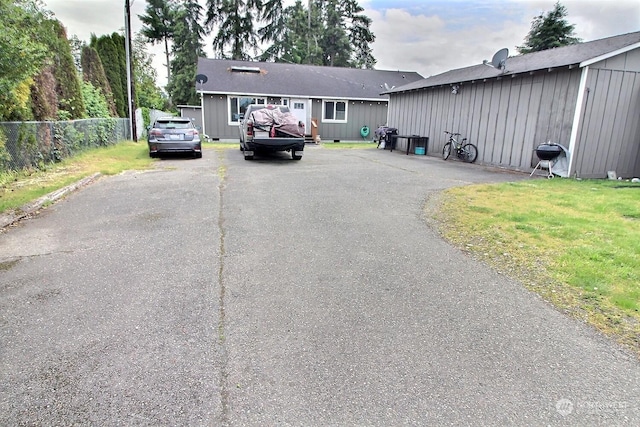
551, 58
282, 79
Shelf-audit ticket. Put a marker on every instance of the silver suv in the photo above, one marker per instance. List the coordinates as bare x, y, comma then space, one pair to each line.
174, 135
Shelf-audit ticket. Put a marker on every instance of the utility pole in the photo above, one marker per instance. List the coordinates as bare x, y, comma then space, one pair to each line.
131, 92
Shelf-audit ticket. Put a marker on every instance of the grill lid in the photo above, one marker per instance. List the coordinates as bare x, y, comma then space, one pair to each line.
548, 151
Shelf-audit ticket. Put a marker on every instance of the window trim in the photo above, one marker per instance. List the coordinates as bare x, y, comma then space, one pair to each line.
256, 100
335, 102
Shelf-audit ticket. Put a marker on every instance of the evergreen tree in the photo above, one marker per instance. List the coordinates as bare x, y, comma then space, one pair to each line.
110, 57
360, 37
158, 25
44, 99
335, 41
93, 72
294, 34
187, 48
70, 101
548, 31
235, 20
331, 32
120, 42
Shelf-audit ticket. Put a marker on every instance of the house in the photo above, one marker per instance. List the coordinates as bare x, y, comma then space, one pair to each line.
340, 100
585, 97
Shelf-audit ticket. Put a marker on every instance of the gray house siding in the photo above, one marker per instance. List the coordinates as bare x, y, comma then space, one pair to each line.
216, 118
506, 118
609, 131
192, 112
359, 113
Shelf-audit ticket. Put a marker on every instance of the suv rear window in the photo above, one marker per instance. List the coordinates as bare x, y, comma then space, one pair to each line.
173, 124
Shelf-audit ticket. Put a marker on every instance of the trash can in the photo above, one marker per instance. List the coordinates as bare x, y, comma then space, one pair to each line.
420, 145
390, 142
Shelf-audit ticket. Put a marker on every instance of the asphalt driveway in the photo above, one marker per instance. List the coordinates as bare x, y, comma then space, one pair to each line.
225, 292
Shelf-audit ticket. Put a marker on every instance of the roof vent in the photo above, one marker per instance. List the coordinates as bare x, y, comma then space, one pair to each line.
237, 69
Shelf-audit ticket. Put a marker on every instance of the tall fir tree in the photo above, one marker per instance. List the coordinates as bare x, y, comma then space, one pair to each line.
68, 87
187, 48
159, 24
326, 32
109, 52
235, 20
93, 72
335, 40
548, 31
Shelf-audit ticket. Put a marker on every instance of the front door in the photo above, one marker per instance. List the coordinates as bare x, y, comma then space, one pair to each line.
299, 109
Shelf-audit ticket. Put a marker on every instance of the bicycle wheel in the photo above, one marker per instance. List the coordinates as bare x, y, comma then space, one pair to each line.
469, 153
446, 151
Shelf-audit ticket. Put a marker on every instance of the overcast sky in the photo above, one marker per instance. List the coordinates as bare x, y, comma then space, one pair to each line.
427, 36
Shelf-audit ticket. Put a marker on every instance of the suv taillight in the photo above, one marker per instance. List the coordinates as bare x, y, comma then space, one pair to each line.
249, 129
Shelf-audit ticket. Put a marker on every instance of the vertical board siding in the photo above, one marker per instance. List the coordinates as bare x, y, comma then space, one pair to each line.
609, 135
506, 118
216, 116
360, 113
631, 136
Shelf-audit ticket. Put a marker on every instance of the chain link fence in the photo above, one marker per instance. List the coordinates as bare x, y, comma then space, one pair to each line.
33, 144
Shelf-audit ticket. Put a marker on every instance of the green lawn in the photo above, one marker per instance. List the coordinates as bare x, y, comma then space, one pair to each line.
576, 243
17, 189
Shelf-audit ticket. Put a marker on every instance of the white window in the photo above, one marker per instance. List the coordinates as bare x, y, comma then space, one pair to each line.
298, 106
238, 106
334, 111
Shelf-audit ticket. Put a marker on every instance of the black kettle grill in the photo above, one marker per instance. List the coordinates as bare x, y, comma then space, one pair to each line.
547, 153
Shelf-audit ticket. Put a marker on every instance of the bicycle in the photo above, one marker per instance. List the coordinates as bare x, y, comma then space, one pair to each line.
465, 151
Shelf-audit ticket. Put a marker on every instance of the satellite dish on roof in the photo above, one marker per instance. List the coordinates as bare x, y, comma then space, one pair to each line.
499, 60
201, 78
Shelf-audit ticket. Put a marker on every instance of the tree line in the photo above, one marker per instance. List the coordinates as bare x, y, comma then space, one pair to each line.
44, 75
320, 32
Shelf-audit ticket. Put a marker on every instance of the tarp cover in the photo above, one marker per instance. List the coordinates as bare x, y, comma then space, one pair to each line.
273, 117
560, 165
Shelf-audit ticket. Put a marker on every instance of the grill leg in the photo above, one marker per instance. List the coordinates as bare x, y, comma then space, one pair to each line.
536, 168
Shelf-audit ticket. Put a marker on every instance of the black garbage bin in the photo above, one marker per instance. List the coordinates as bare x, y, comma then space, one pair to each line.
390, 143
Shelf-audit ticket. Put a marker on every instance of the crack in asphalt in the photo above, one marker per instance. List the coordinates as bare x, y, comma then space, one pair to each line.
224, 387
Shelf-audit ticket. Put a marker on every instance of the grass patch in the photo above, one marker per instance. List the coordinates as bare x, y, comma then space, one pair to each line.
19, 188
576, 243
350, 145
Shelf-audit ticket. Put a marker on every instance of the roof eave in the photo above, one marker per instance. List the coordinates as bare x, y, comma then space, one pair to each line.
276, 95
620, 51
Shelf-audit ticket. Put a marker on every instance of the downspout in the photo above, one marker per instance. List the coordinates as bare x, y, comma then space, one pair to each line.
577, 119
204, 126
